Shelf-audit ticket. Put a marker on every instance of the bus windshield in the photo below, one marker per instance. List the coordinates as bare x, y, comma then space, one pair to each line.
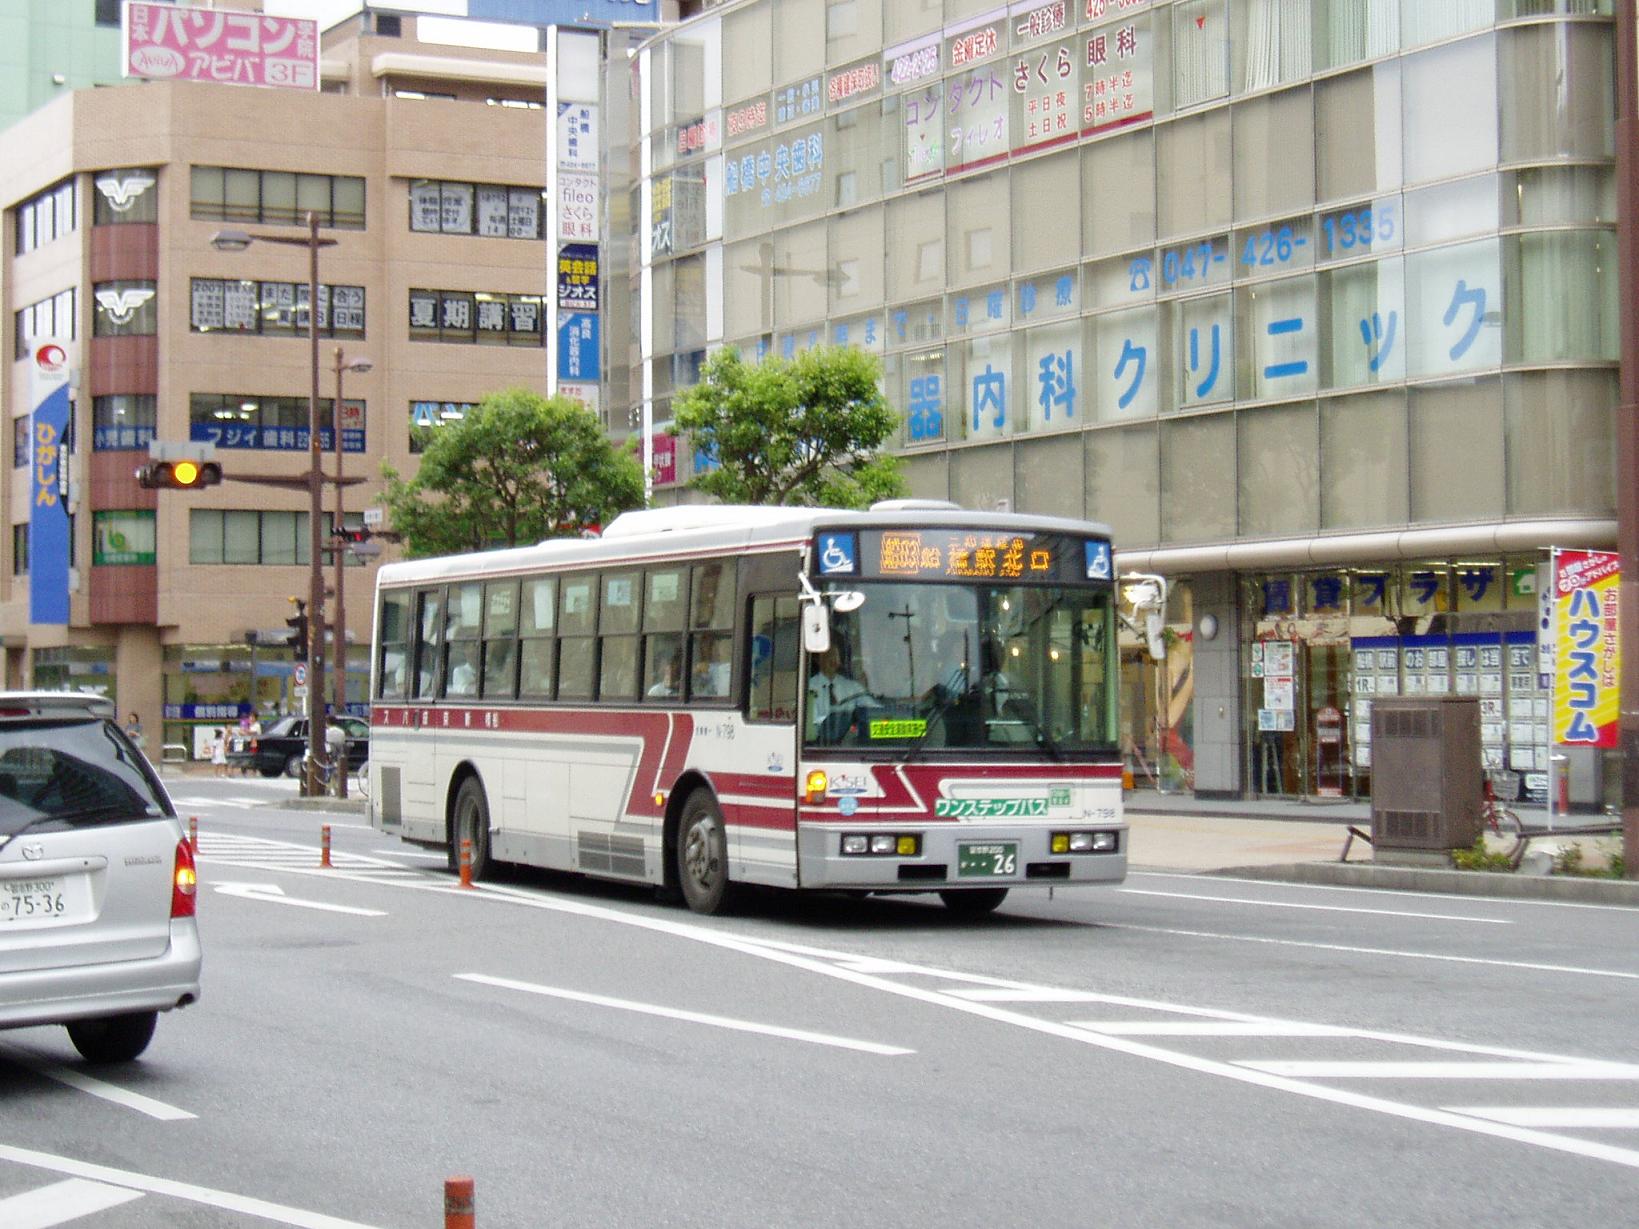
1021, 668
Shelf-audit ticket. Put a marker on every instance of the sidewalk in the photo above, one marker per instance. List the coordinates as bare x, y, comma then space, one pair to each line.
1301, 842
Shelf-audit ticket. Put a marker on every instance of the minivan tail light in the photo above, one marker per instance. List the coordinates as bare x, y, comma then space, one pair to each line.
184, 882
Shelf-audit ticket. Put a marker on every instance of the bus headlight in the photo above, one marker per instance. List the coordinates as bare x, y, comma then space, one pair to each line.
856, 843
882, 844
1084, 842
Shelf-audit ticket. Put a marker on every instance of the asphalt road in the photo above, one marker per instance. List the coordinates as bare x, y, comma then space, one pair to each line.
1183, 1051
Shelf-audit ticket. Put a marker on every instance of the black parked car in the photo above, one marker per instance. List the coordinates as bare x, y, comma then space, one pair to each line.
282, 745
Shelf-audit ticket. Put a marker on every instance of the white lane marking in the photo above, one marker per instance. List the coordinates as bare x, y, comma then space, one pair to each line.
60, 1203
1028, 994
1532, 966
274, 894
1210, 1028
226, 1200
189, 804
1592, 1117
431, 857
96, 1088
693, 1017
790, 956
1306, 1069
1353, 889
1288, 904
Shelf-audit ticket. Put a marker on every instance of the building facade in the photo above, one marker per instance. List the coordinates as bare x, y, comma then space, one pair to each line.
1313, 301
426, 166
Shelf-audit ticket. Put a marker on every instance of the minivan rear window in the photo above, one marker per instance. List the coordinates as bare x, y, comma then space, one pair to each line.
61, 773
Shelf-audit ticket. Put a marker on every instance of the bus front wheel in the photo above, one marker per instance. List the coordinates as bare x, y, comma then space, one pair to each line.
471, 824
702, 854
971, 902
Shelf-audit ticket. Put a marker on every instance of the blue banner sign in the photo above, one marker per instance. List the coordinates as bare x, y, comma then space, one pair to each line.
578, 347
48, 514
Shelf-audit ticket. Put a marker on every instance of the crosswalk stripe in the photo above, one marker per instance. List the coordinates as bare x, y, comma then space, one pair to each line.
1393, 1070
61, 1202
1028, 994
1211, 1028
1597, 1117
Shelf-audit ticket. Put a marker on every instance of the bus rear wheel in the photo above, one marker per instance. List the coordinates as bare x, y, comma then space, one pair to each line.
471, 824
702, 854
971, 902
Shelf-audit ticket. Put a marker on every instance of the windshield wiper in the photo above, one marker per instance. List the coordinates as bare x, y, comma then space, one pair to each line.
1032, 714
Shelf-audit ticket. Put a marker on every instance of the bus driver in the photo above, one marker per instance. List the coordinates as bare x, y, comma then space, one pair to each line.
832, 698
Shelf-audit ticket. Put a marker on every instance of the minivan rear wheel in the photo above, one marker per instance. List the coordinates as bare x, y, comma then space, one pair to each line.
113, 1039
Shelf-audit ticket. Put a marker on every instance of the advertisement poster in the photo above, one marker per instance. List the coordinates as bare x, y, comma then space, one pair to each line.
1587, 651
48, 525
170, 43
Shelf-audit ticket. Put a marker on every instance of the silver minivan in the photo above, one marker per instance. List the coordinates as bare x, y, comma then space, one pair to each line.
97, 881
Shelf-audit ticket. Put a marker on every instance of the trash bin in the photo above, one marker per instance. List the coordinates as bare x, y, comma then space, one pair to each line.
1426, 772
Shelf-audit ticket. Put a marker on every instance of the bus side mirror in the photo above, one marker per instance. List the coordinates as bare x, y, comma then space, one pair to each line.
816, 627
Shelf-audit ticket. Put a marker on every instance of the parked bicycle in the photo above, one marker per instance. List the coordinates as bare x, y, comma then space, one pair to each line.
1498, 816
324, 772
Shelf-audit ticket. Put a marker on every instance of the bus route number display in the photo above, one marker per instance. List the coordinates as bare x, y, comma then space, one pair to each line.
963, 555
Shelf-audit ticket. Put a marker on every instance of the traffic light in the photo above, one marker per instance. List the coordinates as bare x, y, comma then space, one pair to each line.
184, 475
297, 623
352, 536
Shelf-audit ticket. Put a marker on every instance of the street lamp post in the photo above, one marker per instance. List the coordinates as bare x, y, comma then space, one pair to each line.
339, 626
238, 241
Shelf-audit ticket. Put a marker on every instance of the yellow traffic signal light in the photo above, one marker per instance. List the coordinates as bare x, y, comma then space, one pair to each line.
182, 475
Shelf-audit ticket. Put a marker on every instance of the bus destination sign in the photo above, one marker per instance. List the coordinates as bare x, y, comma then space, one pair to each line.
974, 554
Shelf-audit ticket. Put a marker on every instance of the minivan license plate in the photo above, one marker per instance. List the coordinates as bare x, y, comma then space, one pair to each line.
23, 899
988, 860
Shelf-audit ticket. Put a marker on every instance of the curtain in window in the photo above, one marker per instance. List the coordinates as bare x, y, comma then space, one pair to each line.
1276, 42
1569, 307
1425, 22
1200, 52
1363, 30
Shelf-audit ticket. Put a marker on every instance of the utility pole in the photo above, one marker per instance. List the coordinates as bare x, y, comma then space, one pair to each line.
1627, 415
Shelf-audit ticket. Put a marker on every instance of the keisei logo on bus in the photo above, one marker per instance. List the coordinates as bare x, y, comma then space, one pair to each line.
51, 359
838, 554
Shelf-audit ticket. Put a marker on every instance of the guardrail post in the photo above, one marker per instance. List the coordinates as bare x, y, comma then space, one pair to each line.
324, 845
193, 835
459, 1200
466, 862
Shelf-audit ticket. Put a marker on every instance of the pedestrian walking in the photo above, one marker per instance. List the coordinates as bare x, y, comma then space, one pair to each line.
219, 752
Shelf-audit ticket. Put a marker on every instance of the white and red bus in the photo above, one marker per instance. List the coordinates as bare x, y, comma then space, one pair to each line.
916, 698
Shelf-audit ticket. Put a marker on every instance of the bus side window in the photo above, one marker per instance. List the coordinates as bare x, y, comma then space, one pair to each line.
428, 625
774, 658
395, 645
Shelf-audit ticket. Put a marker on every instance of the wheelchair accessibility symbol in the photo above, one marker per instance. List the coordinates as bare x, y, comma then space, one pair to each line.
1098, 561
837, 553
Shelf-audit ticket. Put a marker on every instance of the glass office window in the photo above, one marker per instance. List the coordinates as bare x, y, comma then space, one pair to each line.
1271, 42
1559, 100
977, 230
802, 274
799, 51
1456, 450
853, 28
1046, 212
1279, 460
1363, 461
748, 52
1362, 319
1197, 487
1450, 109
1274, 158
916, 246
1123, 365
1561, 429
1357, 132
1422, 22
1193, 174
1200, 51
1118, 193
1123, 481
1454, 309
1348, 31
857, 253
1566, 305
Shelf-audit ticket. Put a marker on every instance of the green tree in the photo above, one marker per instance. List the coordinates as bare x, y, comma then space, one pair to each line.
803, 431
518, 468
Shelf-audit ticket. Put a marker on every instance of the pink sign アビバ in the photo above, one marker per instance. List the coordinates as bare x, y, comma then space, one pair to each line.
168, 42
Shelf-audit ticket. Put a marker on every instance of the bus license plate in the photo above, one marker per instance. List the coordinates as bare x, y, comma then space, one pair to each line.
988, 860
25, 899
